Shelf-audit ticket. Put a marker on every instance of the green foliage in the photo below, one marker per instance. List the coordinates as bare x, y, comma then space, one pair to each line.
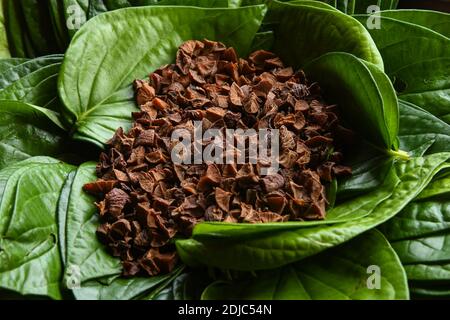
391, 84
104, 100
313, 279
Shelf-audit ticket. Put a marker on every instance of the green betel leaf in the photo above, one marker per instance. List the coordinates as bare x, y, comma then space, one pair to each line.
434, 20
371, 110
57, 17
427, 272
29, 259
70, 15
370, 168
27, 131
314, 279
193, 3
362, 6
427, 85
15, 32
439, 188
403, 43
420, 234
421, 132
346, 6
187, 286
428, 215
75, 14
144, 288
32, 81
101, 6
38, 23
283, 247
431, 291
432, 249
416, 58
4, 47
263, 41
5, 64
320, 31
97, 91
330, 5
78, 221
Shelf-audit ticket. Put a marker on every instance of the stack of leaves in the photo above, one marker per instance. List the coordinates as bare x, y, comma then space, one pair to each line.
146, 199
36, 28
420, 236
391, 85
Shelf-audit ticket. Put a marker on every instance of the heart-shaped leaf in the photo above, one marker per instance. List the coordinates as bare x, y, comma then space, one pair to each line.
27, 131
29, 256
32, 81
97, 91
313, 279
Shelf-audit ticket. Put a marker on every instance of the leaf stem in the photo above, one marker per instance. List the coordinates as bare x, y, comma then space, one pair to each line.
400, 154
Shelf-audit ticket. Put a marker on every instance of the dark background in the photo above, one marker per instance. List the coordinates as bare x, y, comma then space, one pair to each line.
441, 5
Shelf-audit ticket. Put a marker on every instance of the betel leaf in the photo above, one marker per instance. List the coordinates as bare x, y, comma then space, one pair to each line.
431, 291
363, 6
78, 221
32, 81
125, 289
57, 17
371, 110
427, 85
439, 188
434, 20
4, 47
428, 272
29, 256
75, 14
346, 6
27, 131
431, 249
314, 3
101, 6
420, 234
187, 286
341, 273
284, 247
429, 214
370, 168
421, 132
319, 31
15, 32
263, 41
7, 63
97, 91
196, 3
416, 58
403, 43
38, 24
